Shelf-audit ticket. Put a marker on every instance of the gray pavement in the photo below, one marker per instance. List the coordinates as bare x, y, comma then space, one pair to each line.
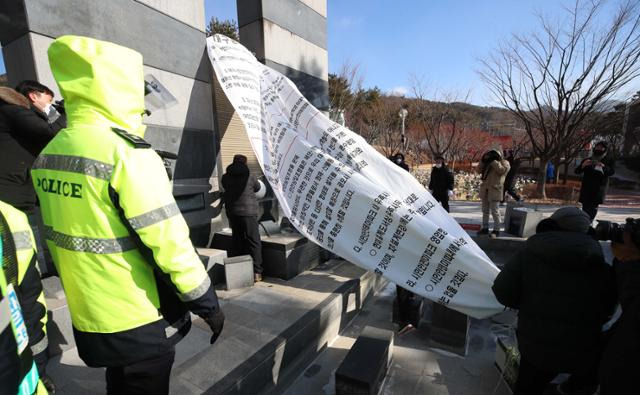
415, 368
269, 328
471, 212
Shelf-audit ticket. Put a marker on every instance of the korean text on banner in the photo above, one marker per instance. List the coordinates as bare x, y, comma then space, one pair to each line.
345, 196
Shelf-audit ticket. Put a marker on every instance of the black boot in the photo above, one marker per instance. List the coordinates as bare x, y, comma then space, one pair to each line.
495, 233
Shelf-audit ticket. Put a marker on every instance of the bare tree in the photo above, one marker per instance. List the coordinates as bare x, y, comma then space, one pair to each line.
470, 145
227, 28
553, 79
345, 89
440, 122
382, 125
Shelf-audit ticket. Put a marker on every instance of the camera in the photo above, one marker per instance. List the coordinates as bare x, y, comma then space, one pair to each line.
606, 230
490, 157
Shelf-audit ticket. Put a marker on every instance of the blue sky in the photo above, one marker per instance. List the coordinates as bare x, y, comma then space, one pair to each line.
439, 41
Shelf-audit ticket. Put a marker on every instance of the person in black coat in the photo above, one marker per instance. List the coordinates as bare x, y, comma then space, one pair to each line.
25, 130
241, 206
564, 291
398, 159
596, 171
407, 304
510, 179
441, 182
620, 363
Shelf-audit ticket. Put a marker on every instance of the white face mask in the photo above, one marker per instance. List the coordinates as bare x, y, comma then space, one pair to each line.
47, 109
438, 165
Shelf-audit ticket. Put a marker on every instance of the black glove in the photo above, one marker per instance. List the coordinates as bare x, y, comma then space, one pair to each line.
59, 106
215, 322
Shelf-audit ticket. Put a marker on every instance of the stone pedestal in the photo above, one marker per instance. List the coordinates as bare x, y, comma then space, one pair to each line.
448, 329
366, 364
213, 260
522, 221
283, 255
238, 272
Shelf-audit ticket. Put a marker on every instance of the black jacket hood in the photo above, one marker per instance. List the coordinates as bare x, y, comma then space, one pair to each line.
569, 250
237, 169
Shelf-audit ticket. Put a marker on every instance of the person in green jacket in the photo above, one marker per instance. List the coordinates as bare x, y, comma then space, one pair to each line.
22, 309
116, 235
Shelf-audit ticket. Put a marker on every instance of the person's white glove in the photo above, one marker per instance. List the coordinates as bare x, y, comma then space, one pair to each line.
450, 193
262, 192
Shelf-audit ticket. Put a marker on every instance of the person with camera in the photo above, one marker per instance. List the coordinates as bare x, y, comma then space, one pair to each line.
494, 170
595, 171
620, 362
564, 292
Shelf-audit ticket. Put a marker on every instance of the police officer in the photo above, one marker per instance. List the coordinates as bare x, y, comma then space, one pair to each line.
116, 235
23, 339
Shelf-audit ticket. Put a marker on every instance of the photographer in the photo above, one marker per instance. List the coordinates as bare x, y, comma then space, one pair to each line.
494, 170
596, 171
620, 361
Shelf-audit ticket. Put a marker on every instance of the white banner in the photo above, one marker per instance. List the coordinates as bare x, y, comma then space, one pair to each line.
345, 196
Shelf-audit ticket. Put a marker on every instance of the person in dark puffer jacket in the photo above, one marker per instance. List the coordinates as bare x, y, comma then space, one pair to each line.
564, 291
25, 130
620, 362
441, 182
241, 206
595, 172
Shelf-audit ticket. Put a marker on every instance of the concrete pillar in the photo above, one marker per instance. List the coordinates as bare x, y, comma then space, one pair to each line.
290, 36
170, 35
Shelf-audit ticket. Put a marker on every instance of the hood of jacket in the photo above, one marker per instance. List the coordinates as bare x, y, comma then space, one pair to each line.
237, 169
102, 83
497, 151
569, 250
11, 96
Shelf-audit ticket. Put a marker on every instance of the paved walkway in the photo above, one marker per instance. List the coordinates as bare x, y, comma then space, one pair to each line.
416, 369
471, 212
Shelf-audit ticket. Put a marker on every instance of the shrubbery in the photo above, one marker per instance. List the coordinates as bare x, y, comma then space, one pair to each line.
467, 184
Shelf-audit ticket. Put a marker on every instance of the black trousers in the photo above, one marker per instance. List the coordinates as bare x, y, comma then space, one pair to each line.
408, 305
511, 191
533, 381
591, 209
246, 239
146, 377
443, 199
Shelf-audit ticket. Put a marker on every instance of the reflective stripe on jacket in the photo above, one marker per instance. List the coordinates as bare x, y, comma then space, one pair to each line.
18, 371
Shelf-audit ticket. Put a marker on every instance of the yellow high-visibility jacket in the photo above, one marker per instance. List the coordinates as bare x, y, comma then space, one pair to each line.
21, 306
29, 285
116, 235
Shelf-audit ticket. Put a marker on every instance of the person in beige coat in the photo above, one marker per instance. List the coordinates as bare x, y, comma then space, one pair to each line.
494, 169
